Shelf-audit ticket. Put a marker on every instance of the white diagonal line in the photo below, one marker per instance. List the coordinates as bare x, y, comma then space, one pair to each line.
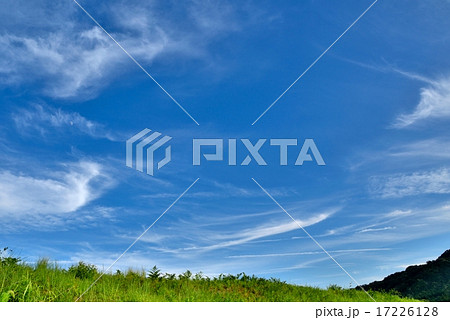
312, 238
137, 239
315, 61
137, 63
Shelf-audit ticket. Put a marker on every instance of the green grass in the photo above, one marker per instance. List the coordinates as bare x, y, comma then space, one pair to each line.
48, 282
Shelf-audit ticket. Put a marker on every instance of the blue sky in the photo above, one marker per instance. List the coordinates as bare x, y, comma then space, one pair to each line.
377, 106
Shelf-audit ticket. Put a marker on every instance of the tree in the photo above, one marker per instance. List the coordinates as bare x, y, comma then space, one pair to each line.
154, 274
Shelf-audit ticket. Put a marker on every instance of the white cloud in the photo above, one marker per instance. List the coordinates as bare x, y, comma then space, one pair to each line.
59, 193
399, 213
69, 56
68, 65
434, 98
377, 229
401, 185
248, 235
434, 103
41, 119
214, 16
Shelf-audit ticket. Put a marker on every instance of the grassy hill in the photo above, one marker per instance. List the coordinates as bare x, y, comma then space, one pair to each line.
430, 281
48, 282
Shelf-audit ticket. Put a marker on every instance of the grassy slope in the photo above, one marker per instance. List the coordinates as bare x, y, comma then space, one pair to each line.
44, 282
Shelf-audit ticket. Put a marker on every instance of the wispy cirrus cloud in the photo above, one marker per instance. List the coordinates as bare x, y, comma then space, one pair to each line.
58, 192
434, 100
434, 104
244, 236
376, 229
43, 119
69, 56
399, 213
66, 67
266, 231
401, 185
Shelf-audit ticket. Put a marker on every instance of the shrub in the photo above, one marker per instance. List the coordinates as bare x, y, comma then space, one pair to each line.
198, 276
6, 258
170, 276
186, 275
83, 270
134, 276
334, 287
